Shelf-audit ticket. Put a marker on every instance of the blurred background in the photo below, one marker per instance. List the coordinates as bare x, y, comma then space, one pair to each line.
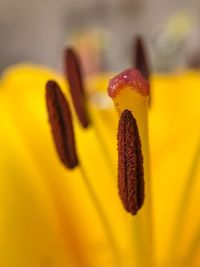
36, 31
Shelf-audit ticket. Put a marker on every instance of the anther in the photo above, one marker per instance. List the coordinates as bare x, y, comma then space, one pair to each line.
130, 163
140, 56
61, 124
74, 76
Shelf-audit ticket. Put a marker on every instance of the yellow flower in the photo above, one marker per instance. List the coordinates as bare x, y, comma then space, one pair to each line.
53, 216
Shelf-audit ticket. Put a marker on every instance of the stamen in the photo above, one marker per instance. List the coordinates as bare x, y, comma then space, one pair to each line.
61, 124
140, 56
74, 75
130, 163
130, 91
62, 129
73, 71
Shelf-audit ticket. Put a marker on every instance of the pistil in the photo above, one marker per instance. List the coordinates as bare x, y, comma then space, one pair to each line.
130, 91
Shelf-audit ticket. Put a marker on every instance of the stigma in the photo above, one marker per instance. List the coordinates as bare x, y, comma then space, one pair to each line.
131, 78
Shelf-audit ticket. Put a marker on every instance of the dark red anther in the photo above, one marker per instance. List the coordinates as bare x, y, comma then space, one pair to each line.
140, 57
74, 76
61, 125
130, 163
